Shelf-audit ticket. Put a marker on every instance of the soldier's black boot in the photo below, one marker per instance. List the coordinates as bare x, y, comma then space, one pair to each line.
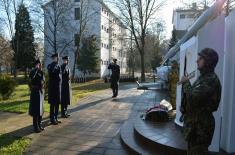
113, 93
52, 114
35, 124
56, 113
40, 123
66, 111
63, 111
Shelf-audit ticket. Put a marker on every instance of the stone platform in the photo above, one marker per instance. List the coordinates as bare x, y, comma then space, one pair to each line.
151, 138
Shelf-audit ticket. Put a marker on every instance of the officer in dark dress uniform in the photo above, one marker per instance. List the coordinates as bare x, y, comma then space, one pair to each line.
65, 88
36, 83
54, 88
114, 77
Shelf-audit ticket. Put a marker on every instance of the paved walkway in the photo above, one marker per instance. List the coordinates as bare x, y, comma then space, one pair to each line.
93, 127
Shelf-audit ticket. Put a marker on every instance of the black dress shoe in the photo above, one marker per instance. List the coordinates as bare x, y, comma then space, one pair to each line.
37, 130
64, 116
41, 128
57, 121
54, 123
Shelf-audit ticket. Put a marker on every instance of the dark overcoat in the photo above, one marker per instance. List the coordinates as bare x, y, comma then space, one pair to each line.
37, 93
66, 85
54, 82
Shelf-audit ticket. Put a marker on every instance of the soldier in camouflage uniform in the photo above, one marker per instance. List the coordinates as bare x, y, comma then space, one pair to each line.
173, 78
202, 99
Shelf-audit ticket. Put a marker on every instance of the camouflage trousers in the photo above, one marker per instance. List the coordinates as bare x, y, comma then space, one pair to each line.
197, 149
173, 99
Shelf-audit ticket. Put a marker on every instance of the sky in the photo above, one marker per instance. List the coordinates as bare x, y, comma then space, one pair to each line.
166, 12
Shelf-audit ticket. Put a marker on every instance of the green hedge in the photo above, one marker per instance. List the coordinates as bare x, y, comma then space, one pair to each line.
7, 86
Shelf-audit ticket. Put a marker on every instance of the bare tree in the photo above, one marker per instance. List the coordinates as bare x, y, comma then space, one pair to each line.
6, 53
61, 22
9, 10
55, 12
229, 6
138, 15
84, 18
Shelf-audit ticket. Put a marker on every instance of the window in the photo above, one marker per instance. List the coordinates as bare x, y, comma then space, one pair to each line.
191, 16
76, 37
77, 13
102, 27
76, 0
182, 16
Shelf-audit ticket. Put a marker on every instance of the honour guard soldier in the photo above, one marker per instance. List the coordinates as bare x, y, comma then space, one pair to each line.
65, 88
202, 99
37, 96
115, 77
54, 88
173, 79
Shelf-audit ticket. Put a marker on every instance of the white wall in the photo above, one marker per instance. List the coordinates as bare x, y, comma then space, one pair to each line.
228, 99
67, 31
182, 23
188, 49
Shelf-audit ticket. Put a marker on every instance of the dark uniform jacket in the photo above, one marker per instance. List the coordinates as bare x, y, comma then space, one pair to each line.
66, 85
54, 83
37, 93
115, 73
202, 99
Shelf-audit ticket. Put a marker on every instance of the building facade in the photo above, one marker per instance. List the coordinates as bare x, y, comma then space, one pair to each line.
62, 19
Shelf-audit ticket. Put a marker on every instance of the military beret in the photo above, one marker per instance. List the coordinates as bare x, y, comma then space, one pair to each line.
37, 62
65, 58
54, 55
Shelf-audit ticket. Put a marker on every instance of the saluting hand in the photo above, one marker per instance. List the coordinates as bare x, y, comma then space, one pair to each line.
184, 79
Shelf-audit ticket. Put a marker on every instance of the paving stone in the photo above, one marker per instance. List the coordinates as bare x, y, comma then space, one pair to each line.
92, 128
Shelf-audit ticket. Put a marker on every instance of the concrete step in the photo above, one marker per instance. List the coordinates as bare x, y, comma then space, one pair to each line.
166, 137
134, 144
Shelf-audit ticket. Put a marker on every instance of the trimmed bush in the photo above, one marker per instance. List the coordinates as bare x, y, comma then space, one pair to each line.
7, 86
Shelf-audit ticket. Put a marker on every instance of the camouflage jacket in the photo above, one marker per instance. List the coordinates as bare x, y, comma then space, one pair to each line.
173, 78
202, 99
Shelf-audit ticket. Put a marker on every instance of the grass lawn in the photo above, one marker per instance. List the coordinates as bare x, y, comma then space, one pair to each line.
13, 145
19, 102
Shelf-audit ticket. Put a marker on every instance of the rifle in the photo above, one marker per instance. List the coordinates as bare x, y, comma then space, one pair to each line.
183, 95
190, 76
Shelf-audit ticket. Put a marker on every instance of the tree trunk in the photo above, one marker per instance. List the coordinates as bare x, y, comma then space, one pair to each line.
142, 67
26, 73
74, 65
133, 67
84, 76
15, 72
